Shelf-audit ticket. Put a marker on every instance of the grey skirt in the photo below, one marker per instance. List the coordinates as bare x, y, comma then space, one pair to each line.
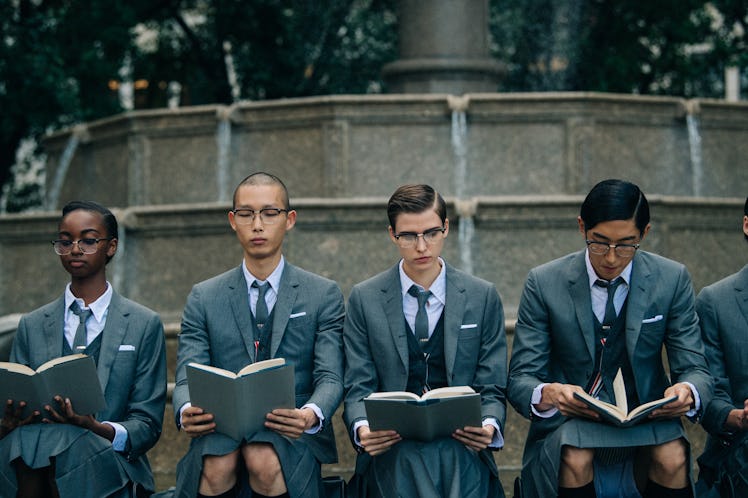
86, 465
444, 468
542, 460
301, 470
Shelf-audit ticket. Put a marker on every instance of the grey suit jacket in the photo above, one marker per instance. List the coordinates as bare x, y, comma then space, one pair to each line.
376, 346
554, 337
133, 379
723, 315
307, 331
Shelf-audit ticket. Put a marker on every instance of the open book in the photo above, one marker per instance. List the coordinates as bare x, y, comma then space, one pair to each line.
73, 376
435, 414
240, 401
619, 414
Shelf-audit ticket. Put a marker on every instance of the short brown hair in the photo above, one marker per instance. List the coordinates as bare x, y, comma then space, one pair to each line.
415, 199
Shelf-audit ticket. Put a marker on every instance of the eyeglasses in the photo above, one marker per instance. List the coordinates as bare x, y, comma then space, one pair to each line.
601, 248
246, 216
86, 246
410, 239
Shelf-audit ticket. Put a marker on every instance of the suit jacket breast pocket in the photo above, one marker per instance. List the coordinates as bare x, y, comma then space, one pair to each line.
652, 334
124, 366
468, 347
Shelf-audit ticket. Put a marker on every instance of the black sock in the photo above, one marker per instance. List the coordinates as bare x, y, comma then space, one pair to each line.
654, 490
231, 493
586, 491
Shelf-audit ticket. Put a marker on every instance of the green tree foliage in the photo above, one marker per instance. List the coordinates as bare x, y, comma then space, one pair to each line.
62, 60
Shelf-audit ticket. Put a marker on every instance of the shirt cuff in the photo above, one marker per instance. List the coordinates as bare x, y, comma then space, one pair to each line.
696, 401
318, 412
119, 443
356, 425
498, 438
181, 411
537, 396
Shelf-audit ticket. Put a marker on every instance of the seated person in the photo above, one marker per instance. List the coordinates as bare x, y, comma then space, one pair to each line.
723, 316
264, 308
103, 454
583, 317
421, 325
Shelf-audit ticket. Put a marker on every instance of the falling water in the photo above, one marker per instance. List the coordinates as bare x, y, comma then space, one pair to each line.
694, 144
223, 142
66, 158
465, 210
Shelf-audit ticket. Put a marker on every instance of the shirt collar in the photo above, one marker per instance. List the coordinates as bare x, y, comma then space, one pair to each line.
98, 308
438, 287
274, 278
592, 276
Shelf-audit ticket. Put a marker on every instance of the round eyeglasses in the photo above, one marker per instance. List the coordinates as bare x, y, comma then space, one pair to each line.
87, 246
601, 248
410, 239
246, 216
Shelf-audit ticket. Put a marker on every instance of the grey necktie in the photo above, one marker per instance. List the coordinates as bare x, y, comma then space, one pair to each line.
610, 309
81, 334
261, 309
422, 317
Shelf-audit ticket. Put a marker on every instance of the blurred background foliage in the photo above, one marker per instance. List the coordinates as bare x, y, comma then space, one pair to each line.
68, 61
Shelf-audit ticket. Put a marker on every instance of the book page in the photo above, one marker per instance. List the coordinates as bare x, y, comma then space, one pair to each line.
16, 367
60, 359
261, 365
656, 403
218, 371
619, 392
447, 392
599, 405
394, 395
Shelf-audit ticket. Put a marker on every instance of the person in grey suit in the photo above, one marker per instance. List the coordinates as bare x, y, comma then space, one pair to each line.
227, 324
583, 317
393, 343
88, 455
723, 316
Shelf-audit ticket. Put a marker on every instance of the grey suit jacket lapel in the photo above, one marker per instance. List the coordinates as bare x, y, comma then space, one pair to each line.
642, 276
392, 306
579, 288
117, 321
287, 294
741, 292
54, 330
453, 312
239, 298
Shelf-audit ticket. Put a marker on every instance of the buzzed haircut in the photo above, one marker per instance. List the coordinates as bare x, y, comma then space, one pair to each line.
612, 200
415, 199
262, 178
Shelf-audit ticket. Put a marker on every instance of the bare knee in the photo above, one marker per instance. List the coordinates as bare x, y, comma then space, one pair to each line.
669, 465
264, 468
576, 466
219, 473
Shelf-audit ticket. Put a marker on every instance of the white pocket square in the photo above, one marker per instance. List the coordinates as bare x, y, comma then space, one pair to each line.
297, 315
469, 326
656, 318
126, 347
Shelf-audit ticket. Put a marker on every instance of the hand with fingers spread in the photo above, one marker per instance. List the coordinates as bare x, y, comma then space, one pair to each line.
561, 396
291, 422
196, 422
64, 413
678, 407
12, 417
377, 442
476, 438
